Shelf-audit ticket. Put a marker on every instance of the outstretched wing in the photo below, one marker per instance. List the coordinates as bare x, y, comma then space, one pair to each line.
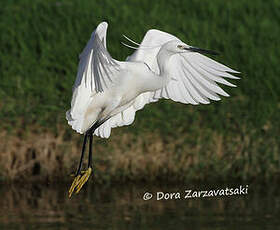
194, 76
96, 66
96, 73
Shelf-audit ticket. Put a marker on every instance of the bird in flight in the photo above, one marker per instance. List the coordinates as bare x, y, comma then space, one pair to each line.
107, 92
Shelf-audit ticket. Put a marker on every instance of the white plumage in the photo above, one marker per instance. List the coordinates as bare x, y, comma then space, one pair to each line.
161, 67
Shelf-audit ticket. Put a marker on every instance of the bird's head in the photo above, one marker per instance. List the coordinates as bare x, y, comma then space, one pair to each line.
177, 46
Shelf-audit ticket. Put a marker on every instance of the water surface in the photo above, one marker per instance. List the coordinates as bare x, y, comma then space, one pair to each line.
123, 207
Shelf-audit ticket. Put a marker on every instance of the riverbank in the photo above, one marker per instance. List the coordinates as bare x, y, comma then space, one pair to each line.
197, 155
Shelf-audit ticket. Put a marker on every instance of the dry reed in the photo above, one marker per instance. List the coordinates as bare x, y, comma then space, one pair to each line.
125, 156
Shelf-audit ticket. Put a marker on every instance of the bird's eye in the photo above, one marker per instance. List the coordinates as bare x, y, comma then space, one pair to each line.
180, 46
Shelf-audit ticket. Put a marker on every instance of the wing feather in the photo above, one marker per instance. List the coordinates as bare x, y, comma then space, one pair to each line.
97, 72
204, 79
202, 92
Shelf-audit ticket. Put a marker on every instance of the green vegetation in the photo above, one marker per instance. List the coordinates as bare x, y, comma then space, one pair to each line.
39, 46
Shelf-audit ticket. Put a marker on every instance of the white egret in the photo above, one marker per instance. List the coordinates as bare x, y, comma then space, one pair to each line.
107, 92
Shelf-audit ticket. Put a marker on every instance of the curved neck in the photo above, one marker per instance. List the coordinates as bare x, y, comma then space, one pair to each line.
161, 79
163, 58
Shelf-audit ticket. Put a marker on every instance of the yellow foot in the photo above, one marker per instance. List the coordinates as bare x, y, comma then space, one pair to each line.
79, 181
73, 174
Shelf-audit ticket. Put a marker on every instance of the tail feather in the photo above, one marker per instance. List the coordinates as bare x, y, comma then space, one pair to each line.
76, 124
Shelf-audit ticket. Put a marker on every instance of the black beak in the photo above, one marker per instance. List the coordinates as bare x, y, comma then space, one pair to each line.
202, 51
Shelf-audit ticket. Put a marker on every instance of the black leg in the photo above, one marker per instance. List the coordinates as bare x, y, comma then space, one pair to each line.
82, 156
89, 134
80, 180
95, 126
90, 151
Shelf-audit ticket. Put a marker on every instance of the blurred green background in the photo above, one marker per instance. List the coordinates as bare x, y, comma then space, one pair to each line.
236, 137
